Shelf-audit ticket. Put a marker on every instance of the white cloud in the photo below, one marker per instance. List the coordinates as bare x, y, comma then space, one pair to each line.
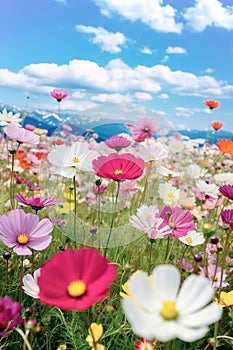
209, 13
175, 50
187, 112
108, 41
146, 50
62, 2
165, 59
150, 12
209, 70
163, 96
112, 98
143, 96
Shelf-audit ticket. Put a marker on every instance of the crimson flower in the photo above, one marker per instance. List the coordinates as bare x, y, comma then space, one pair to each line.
178, 219
119, 167
75, 280
212, 104
9, 315
35, 202
59, 94
227, 191
216, 125
227, 217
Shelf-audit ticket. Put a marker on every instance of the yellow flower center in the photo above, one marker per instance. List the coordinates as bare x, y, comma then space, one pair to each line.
188, 240
148, 216
76, 160
168, 311
8, 119
22, 238
76, 288
172, 225
170, 195
118, 171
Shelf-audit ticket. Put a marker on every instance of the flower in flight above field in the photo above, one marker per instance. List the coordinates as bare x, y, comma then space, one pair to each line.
161, 310
179, 220
118, 142
35, 202
30, 284
9, 315
21, 135
69, 160
193, 238
227, 191
24, 231
225, 146
144, 129
59, 94
212, 104
84, 283
8, 118
216, 125
119, 167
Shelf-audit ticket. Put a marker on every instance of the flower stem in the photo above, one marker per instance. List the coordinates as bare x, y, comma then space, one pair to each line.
21, 280
24, 337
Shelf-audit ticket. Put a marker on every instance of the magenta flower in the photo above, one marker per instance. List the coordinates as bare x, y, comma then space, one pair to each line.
144, 129
227, 191
35, 202
32, 187
119, 167
75, 280
178, 219
59, 94
145, 344
118, 142
227, 217
21, 135
24, 231
9, 315
20, 179
99, 189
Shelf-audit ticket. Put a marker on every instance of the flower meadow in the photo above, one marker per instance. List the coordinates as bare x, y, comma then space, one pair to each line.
123, 244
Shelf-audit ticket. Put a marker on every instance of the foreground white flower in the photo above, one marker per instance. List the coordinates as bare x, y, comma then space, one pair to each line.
8, 118
30, 285
158, 308
193, 238
69, 160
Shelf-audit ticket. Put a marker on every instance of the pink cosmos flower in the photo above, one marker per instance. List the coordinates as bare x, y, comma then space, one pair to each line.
145, 344
118, 142
99, 189
143, 129
85, 282
227, 191
227, 217
35, 202
214, 275
24, 231
178, 219
59, 94
21, 135
118, 167
212, 203
32, 187
128, 188
20, 179
9, 315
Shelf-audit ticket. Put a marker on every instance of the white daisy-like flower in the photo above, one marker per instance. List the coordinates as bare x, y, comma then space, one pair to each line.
8, 118
224, 178
69, 160
162, 170
193, 171
158, 308
30, 284
209, 189
169, 194
186, 201
144, 219
155, 151
193, 238
176, 146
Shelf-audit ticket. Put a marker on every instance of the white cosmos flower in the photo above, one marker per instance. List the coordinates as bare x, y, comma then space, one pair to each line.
8, 118
30, 284
210, 189
144, 219
193, 171
169, 194
158, 308
193, 238
154, 151
176, 146
162, 170
69, 160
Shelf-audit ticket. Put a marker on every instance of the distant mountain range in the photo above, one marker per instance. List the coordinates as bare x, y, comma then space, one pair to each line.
106, 120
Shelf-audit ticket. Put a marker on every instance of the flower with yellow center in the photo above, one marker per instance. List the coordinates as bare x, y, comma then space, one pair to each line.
22, 238
76, 288
118, 172
193, 238
75, 160
164, 311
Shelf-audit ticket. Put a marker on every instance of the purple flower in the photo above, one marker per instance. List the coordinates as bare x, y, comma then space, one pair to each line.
35, 202
227, 217
21, 135
178, 219
227, 191
9, 315
23, 231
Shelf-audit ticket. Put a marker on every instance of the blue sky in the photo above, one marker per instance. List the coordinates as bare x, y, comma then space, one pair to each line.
165, 55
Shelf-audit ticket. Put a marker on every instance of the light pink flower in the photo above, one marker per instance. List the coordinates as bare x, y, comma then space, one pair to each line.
21, 135
118, 142
214, 275
143, 129
128, 188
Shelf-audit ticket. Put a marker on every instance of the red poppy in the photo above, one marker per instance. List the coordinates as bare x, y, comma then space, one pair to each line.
217, 125
212, 104
225, 146
119, 167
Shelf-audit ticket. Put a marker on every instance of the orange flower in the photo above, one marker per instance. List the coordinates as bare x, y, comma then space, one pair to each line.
217, 125
212, 104
226, 146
